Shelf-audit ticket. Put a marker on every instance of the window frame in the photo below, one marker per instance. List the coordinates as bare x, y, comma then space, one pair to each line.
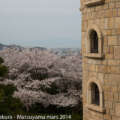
99, 54
95, 94
93, 40
100, 107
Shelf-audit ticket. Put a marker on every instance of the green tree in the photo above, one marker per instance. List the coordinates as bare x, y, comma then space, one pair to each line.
3, 68
1, 60
8, 104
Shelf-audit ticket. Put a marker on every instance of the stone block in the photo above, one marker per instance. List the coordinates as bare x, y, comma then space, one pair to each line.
117, 52
112, 40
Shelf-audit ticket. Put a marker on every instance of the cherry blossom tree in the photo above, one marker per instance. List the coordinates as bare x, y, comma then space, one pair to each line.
42, 76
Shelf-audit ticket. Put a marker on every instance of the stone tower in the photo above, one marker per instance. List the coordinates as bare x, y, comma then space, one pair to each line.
101, 59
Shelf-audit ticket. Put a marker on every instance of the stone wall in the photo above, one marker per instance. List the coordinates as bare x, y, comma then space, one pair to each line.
104, 70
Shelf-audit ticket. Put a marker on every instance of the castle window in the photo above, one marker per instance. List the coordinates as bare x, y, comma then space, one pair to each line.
95, 96
94, 42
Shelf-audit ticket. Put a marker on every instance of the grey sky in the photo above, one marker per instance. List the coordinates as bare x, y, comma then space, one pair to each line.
46, 23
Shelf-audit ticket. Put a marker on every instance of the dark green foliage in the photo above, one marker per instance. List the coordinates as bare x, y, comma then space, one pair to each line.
52, 90
3, 68
8, 104
8, 90
51, 109
75, 112
77, 116
1, 60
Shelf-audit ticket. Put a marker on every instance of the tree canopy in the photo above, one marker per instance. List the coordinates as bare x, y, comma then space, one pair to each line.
3, 68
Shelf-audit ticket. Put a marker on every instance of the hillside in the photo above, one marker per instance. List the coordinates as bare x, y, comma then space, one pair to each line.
57, 51
44, 77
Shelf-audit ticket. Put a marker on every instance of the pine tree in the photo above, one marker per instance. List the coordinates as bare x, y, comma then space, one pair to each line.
8, 104
3, 68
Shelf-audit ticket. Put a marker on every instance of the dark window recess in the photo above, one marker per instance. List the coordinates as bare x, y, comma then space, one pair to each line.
95, 94
93, 42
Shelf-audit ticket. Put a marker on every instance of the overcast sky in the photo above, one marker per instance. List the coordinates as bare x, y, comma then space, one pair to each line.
45, 23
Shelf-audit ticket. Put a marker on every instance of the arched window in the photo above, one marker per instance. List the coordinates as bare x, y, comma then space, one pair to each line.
93, 41
95, 94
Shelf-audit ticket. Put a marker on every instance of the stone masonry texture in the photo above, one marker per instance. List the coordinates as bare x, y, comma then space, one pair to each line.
107, 69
